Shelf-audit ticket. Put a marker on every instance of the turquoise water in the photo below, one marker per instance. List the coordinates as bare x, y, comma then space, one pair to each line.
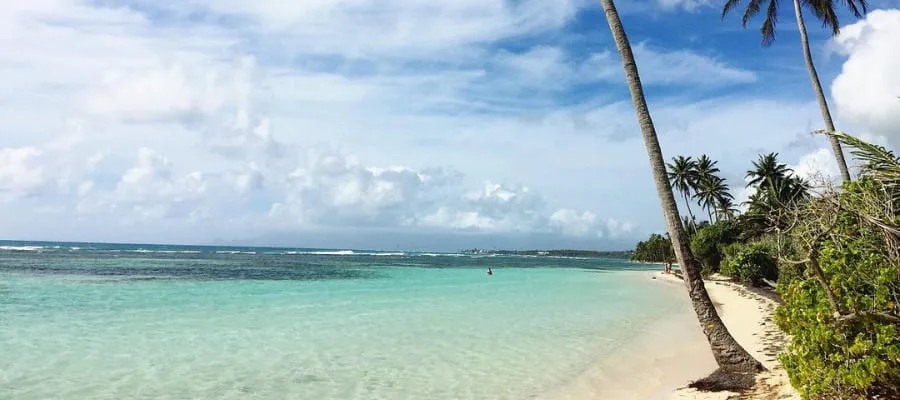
183, 323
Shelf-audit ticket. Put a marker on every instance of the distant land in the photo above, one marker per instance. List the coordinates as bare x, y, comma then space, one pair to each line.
553, 253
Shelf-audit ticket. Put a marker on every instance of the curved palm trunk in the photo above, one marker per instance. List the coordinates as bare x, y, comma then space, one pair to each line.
728, 353
820, 95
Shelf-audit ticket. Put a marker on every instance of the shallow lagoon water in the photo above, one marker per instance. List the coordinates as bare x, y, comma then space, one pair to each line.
196, 323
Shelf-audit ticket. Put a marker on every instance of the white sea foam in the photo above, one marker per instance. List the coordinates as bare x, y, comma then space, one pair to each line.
441, 255
24, 248
324, 253
165, 251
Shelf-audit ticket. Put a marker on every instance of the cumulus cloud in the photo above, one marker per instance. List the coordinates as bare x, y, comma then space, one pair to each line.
20, 173
818, 167
329, 188
573, 223
154, 95
348, 114
496, 207
867, 89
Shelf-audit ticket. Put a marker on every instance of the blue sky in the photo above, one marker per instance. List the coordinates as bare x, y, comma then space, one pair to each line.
398, 123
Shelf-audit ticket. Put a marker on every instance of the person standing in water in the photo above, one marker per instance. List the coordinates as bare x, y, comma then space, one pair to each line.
489, 272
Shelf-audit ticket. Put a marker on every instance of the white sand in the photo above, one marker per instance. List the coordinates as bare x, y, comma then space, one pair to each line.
650, 367
672, 353
748, 317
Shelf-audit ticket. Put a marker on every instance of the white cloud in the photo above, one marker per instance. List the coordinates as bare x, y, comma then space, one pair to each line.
349, 113
818, 167
395, 28
668, 67
155, 95
689, 5
867, 91
20, 173
495, 207
573, 223
686, 67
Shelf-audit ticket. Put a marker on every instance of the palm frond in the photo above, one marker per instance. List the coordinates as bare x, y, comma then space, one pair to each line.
824, 11
857, 7
752, 9
768, 28
876, 161
729, 5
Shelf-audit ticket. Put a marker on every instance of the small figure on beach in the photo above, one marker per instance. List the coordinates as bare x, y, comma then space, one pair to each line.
668, 268
489, 272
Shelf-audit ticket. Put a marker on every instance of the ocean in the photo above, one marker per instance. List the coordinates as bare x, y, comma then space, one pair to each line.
121, 321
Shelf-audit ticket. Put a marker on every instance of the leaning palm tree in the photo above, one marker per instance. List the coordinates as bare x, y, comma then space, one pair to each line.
767, 171
732, 359
824, 11
683, 178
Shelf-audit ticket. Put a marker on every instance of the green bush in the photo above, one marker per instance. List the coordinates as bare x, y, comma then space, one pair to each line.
751, 263
708, 242
856, 358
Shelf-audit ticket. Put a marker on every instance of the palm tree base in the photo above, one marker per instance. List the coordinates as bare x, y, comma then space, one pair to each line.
730, 380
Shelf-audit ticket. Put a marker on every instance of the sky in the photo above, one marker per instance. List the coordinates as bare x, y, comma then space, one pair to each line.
402, 124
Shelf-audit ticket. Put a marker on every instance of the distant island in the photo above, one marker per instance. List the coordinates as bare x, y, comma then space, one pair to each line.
553, 253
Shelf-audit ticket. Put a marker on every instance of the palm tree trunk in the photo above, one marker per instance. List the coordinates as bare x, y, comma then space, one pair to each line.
687, 203
820, 95
728, 353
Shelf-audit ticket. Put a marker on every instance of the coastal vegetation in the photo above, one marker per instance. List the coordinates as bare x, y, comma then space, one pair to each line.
656, 249
831, 252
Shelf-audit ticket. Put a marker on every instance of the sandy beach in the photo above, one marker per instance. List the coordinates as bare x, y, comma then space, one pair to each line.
668, 354
748, 316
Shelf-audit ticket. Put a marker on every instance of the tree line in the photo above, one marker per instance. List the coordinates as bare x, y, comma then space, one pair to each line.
833, 255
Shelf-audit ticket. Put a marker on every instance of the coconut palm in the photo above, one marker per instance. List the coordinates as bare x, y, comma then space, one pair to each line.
714, 194
683, 178
824, 11
726, 209
767, 171
730, 356
706, 167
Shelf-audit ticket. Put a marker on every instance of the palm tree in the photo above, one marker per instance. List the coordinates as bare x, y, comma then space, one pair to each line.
824, 11
714, 194
706, 167
766, 205
683, 178
726, 209
730, 356
767, 171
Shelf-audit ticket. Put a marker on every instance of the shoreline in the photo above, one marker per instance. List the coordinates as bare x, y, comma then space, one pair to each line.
673, 352
749, 318
651, 366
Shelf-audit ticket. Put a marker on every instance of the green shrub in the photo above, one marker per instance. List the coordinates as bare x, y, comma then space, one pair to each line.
707, 244
852, 359
751, 263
